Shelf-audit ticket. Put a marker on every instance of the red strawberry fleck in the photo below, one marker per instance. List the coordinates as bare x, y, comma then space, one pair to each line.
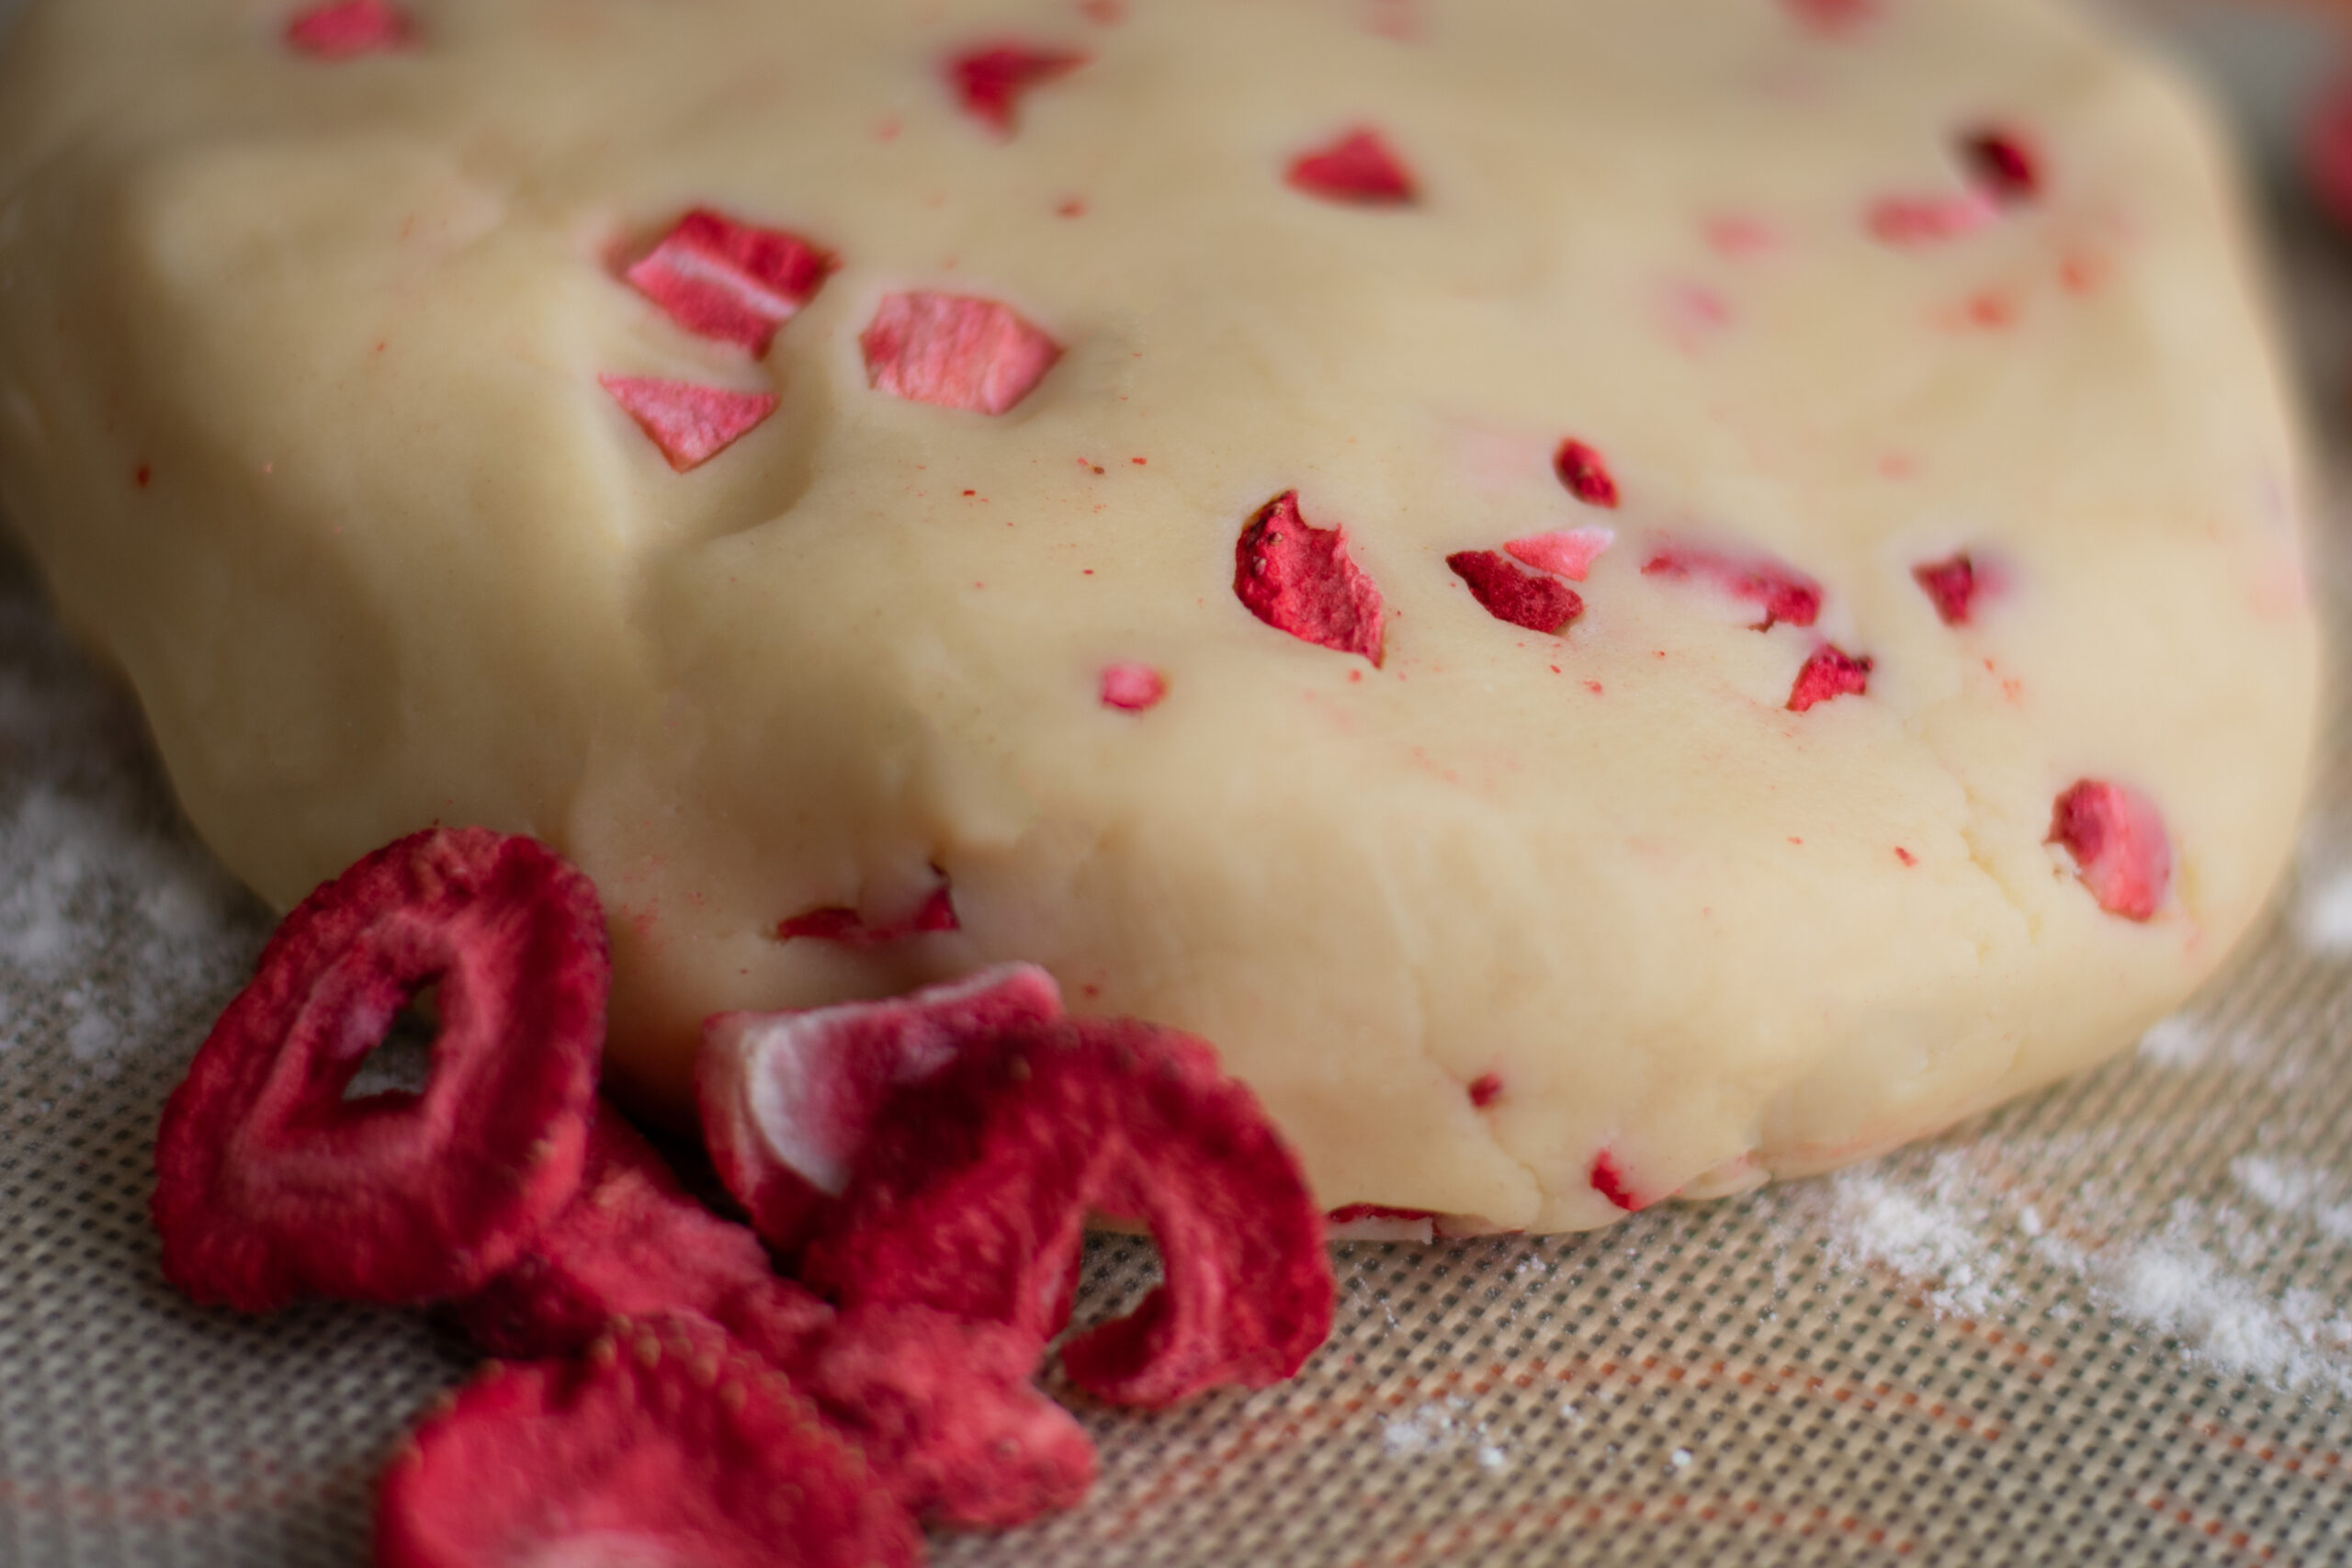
2327, 149
955, 351
1581, 469
838, 923
346, 29
1785, 593
990, 83
1569, 553
1485, 1090
668, 1442
973, 1193
1358, 168
1833, 19
1133, 687
271, 1185
1609, 1181
1513, 594
2120, 846
1912, 221
788, 1099
1830, 673
1297, 579
2002, 164
1951, 585
691, 424
731, 281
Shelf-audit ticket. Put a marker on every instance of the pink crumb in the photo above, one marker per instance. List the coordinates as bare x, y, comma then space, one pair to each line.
1485, 1089
1912, 221
731, 281
347, 30
1580, 469
690, 423
990, 83
837, 923
1830, 673
1610, 1183
1358, 168
1569, 553
1951, 585
1740, 236
955, 351
1297, 579
1784, 593
1905, 856
2120, 845
1133, 687
1832, 18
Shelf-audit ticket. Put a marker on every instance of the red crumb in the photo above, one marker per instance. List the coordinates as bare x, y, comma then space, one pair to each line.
734, 282
1905, 856
142, 476
668, 1442
2327, 149
271, 1185
1830, 673
2002, 164
1569, 553
1513, 594
1610, 1183
1485, 1089
691, 424
837, 923
990, 83
955, 351
1581, 469
2120, 846
1930, 219
1297, 579
1594, 687
1110, 13
1133, 687
346, 30
1832, 18
1070, 206
1784, 593
1951, 585
1358, 168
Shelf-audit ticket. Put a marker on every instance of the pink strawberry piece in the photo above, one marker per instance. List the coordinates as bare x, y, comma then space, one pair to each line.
1513, 594
632, 1243
271, 1185
841, 924
668, 1443
1485, 1089
1360, 168
1830, 673
1569, 553
789, 1100
1377, 1222
1912, 221
731, 281
1581, 469
346, 29
1298, 579
691, 424
1951, 585
1607, 1179
2120, 845
2327, 148
990, 83
1133, 687
946, 1413
1833, 17
1785, 593
973, 1193
2002, 164
955, 352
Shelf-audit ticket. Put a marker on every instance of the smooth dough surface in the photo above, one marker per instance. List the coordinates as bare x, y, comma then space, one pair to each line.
300, 412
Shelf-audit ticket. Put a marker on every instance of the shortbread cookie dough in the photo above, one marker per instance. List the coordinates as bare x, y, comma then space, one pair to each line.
1615, 600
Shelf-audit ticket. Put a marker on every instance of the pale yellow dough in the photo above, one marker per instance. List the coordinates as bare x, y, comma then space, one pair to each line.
300, 412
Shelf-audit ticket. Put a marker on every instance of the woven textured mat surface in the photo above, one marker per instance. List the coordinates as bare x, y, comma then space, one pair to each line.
2112, 1324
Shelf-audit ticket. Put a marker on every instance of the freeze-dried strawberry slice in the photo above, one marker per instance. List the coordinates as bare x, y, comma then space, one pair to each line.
972, 1197
839, 923
727, 280
1297, 579
955, 351
1358, 168
1830, 673
346, 29
1784, 593
989, 82
1133, 687
1569, 553
1509, 593
1580, 469
634, 1242
271, 1185
1951, 585
2002, 163
2120, 845
667, 1443
789, 1099
691, 424
946, 1413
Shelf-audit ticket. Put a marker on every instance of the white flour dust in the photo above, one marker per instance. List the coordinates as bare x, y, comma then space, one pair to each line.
1442, 1428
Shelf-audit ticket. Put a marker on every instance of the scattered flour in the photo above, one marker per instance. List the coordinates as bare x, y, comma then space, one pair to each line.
1442, 1428
2304, 1191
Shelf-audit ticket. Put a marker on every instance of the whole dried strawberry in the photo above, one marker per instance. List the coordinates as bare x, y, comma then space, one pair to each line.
667, 1443
972, 1198
271, 1185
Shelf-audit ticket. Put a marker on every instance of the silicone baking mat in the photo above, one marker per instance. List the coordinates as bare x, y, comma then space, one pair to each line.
2112, 1324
